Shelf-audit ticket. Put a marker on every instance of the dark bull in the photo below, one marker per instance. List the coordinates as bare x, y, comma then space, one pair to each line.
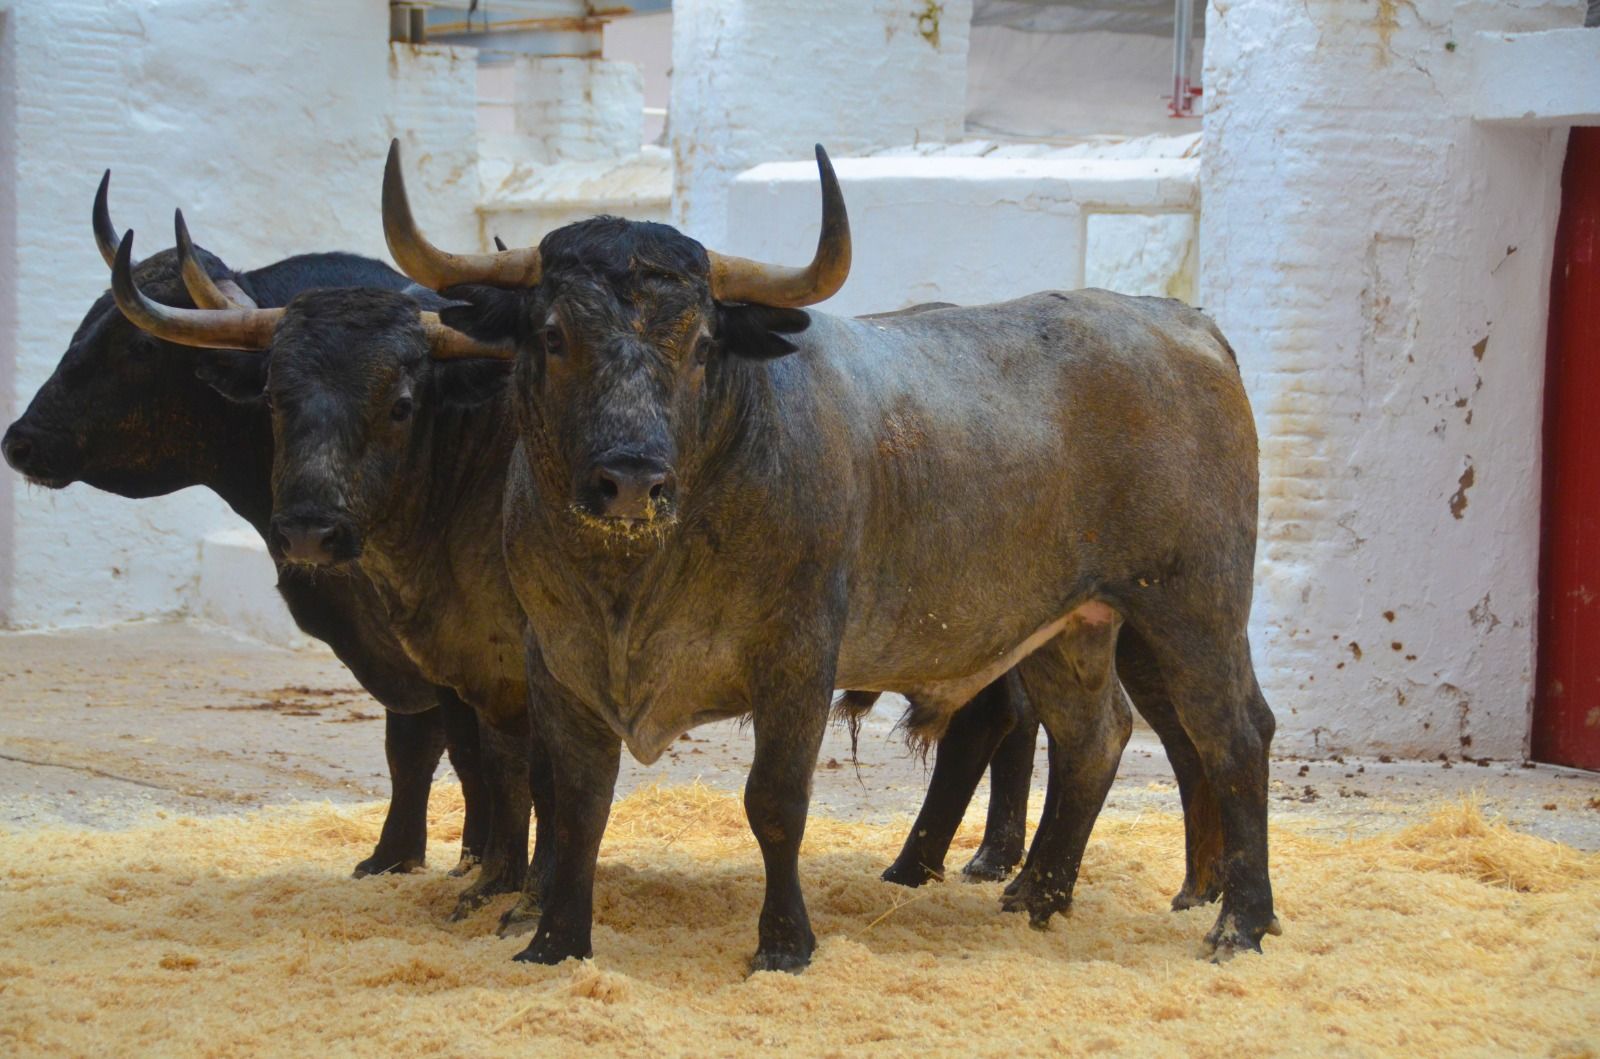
138, 417
1065, 483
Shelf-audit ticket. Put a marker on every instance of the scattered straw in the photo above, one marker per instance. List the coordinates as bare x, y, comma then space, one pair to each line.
244, 936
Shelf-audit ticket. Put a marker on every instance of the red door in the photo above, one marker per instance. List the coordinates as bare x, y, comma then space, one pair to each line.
1566, 717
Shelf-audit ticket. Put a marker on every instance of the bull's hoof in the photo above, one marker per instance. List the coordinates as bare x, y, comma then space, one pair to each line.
987, 865
907, 871
549, 950
1233, 935
464, 866
1193, 897
1037, 896
481, 893
520, 918
384, 863
788, 962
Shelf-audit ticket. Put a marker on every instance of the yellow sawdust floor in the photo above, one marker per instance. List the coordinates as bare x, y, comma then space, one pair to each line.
245, 937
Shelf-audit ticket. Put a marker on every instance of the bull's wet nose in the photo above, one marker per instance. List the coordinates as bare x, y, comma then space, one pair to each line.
18, 449
630, 488
312, 541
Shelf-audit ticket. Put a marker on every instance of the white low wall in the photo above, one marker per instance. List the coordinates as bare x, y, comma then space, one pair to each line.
973, 230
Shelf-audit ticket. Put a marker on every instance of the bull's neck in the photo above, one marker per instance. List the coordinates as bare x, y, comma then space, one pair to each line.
231, 452
447, 500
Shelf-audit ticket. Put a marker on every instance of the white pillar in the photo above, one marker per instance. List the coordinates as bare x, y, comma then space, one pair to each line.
1381, 264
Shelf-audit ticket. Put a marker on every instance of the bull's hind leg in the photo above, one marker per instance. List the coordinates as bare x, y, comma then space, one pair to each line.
966, 748
1202, 817
1005, 831
1071, 685
1206, 665
413, 743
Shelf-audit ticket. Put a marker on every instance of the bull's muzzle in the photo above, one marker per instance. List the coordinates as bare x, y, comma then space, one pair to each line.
313, 540
42, 458
629, 487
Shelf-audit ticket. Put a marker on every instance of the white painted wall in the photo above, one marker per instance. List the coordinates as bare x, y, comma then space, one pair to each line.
973, 230
759, 80
267, 122
1381, 264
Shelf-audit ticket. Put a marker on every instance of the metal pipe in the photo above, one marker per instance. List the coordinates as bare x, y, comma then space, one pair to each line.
1182, 32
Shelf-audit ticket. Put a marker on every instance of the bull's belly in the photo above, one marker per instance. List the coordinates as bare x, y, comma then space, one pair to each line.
943, 674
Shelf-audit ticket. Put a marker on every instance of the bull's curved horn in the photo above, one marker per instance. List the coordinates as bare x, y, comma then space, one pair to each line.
500, 244
436, 268
736, 279
105, 233
206, 292
446, 343
236, 328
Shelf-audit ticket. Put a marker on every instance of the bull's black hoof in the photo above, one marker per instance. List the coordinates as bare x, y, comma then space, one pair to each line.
1235, 933
1038, 897
384, 863
549, 950
788, 962
908, 872
520, 918
987, 865
1194, 897
465, 865
481, 893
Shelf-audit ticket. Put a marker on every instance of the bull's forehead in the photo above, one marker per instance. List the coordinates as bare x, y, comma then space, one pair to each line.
346, 363
662, 308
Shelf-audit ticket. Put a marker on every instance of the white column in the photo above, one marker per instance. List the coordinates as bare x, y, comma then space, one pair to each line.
1381, 264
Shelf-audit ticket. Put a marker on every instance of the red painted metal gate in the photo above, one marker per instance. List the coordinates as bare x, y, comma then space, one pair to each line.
1566, 719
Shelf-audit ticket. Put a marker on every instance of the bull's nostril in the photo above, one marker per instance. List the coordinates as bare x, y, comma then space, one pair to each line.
608, 488
655, 491
19, 450
280, 542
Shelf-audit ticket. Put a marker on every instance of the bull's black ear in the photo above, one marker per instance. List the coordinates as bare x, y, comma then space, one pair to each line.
236, 375
470, 382
489, 314
756, 332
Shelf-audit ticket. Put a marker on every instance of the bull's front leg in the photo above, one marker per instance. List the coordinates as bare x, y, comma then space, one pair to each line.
583, 757
463, 744
505, 861
789, 722
412, 743
524, 915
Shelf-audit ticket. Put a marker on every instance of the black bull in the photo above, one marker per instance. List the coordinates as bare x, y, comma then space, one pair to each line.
128, 414
720, 506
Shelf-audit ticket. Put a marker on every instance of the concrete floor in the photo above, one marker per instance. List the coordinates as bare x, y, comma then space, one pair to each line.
102, 728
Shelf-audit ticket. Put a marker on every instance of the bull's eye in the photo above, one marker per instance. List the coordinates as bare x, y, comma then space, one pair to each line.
702, 349
401, 411
553, 343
